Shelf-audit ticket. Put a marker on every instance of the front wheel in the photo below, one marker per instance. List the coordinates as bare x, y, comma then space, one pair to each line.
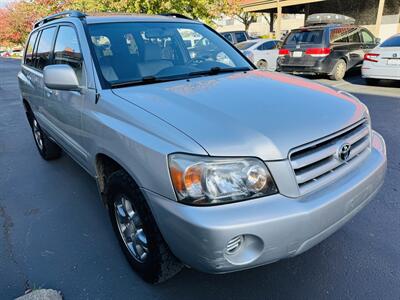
339, 70
137, 231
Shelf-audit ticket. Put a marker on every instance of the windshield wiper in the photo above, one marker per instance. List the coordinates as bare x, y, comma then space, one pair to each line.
218, 70
145, 80
155, 79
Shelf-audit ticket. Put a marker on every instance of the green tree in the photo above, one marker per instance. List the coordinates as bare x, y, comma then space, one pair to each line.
17, 19
204, 10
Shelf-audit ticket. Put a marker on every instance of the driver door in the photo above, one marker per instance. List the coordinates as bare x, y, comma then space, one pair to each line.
67, 105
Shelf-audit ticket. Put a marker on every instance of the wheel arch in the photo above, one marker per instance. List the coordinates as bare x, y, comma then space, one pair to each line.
346, 60
105, 165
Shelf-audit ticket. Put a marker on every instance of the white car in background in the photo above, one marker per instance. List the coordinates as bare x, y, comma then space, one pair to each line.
383, 62
262, 52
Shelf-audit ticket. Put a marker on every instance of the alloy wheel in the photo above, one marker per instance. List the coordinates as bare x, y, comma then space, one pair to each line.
131, 228
37, 134
262, 65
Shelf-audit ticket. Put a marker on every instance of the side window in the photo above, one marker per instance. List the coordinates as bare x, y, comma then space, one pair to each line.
228, 37
204, 49
339, 35
29, 49
43, 54
67, 51
267, 46
367, 38
354, 36
240, 37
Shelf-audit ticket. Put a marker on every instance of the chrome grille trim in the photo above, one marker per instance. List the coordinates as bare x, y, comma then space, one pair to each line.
317, 164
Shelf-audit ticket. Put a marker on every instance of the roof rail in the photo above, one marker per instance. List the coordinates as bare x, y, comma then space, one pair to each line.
174, 15
64, 14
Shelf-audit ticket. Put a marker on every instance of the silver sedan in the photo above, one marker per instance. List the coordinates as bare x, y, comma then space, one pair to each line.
383, 62
262, 52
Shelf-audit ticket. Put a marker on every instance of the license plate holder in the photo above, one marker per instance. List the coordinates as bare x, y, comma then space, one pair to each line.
297, 53
394, 61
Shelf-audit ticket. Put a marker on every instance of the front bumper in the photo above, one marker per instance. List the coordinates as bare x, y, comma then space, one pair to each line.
275, 227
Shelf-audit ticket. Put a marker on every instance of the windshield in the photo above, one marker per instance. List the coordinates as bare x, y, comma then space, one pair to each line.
304, 37
245, 45
143, 52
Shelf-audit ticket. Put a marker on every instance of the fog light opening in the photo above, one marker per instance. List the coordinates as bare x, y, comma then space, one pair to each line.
234, 245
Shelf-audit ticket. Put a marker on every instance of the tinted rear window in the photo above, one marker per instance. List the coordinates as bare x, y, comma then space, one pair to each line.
392, 42
29, 49
244, 46
305, 37
240, 37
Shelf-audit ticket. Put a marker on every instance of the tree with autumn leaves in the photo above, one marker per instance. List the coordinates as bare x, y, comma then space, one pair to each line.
17, 19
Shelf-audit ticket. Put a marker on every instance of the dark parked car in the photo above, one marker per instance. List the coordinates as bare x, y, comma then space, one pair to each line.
330, 49
236, 36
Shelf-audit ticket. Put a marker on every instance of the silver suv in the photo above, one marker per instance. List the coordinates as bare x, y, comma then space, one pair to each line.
201, 159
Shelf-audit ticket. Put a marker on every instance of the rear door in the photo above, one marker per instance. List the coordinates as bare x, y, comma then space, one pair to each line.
43, 55
29, 78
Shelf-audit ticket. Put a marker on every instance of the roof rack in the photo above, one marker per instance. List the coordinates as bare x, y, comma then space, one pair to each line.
174, 15
64, 14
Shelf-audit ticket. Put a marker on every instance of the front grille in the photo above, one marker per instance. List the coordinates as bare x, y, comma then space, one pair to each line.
318, 163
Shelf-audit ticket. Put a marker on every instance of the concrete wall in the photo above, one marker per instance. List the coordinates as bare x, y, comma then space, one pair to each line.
261, 27
364, 12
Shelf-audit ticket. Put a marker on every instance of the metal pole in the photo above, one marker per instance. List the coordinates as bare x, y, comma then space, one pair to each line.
278, 20
379, 17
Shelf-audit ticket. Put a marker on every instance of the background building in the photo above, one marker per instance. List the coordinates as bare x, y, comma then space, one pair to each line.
380, 16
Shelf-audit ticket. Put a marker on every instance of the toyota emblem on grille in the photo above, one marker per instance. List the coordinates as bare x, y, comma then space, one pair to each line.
343, 152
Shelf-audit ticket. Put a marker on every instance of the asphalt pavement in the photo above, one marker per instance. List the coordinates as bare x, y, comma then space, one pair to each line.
55, 232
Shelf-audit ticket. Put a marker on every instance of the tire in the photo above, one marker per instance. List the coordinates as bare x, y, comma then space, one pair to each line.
46, 147
131, 218
372, 81
339, 70
262, 64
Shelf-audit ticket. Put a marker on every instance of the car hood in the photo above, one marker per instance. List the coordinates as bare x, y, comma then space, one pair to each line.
255, 113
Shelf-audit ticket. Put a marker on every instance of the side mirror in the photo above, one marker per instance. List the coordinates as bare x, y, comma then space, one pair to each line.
377, 40
60, 77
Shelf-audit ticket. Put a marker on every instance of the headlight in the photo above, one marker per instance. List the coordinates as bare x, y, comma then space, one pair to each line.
202, 180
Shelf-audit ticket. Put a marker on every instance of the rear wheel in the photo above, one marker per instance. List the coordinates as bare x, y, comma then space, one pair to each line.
137, 231
372, 81
339, 70
47, 148
262, 64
